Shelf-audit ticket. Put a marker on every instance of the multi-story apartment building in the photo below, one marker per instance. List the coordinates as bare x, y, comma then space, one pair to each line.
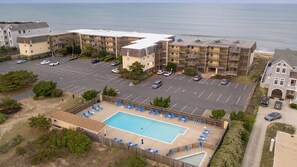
9, 31
280, 75
60, 40
34, 45
223, 57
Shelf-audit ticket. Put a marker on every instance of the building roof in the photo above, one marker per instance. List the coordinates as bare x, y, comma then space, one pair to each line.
16, 26
88, 124
32, 38
293, 75
288, 55
285, 151
147, 39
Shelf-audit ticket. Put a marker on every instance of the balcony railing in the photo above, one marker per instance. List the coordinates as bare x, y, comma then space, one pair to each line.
233, 64
234, 58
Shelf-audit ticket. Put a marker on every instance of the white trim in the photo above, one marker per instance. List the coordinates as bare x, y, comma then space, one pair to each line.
279, 70
282, 79
281, 61
193, 155
149, 119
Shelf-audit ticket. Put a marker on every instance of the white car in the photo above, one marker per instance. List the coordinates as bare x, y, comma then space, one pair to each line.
116, 71
45, 62
167, 73
160, 72
54, 63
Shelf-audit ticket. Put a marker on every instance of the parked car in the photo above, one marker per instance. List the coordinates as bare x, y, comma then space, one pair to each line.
115, 63
278, 105
55, 63
94, 61
225, 82
116, 70
265, 101
21, 61
72, 58
167, 73
157, 84
273, 116
160, 72
197, 78
45, 62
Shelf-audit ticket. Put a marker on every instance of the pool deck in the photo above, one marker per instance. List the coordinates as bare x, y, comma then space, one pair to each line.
191, 136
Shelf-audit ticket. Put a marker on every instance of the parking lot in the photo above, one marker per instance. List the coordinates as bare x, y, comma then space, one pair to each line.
186, 95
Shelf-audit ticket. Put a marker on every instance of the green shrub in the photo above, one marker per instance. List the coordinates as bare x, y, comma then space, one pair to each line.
20, 151
3, 118
240, 116
39, 122
109, 91
161, 102
4, 148
190, 71
135, 82
43, 155
218, 114
5, 58
9, 106
44, 88
90, 94
171, 66
57, 93
108, 58
294, 106
130, 160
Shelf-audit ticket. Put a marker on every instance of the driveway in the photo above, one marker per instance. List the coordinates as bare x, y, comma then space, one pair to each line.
253, 153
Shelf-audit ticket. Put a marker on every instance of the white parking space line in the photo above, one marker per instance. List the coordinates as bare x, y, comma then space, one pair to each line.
204, 80
201, 94
67, 86
172, 76
236, 86
137, 98
118, 80
228, 99
212, 82
238, 100
145, 84
219, 97
79, 90
183, 108
190, 79
169, 88
228, 84
72, 88
177, 90
113, 78
124, 82
245, 86
182, 77
173, 106
145, 100
209, 95
128, 96
194, 110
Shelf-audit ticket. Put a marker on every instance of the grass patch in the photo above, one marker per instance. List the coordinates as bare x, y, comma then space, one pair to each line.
71, 103
267, 156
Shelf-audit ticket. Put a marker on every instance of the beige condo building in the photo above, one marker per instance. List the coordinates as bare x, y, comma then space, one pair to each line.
34, 45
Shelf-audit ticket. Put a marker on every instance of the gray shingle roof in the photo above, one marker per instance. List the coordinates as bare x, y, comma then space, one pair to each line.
288, 55
34, 39
16, 26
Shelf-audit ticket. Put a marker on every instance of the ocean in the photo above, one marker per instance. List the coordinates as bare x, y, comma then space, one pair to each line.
270, 25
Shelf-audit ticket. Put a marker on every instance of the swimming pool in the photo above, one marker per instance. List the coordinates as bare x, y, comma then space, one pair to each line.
194, 159
154, 129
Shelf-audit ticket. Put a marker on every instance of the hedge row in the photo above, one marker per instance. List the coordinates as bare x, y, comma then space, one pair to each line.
5, 58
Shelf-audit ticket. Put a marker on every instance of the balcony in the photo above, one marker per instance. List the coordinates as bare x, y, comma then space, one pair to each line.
213, 64
213, 57
214, 51
234, 58
233, 65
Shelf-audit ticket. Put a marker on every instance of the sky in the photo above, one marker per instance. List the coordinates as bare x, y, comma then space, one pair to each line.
149, 1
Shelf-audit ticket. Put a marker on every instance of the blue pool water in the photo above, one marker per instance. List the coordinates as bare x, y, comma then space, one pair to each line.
146, 127
194, 159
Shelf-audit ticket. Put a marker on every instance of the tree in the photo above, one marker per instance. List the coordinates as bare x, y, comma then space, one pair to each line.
136, 71
88, 51
171, 66
57, 93
161, 102
77, 142
217, 114
39, 122
240, 116
9, 106
3, 118
109, 91
77, 50
191, 71
16, 79
44, 88
90, 94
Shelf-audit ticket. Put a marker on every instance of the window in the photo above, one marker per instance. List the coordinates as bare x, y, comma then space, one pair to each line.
282, 82
26, 51
20, 31
31, 51
4, 31
285, 64
293, 82
277, 69
148, 56
30, 45
284, 70
24, 31
275, 81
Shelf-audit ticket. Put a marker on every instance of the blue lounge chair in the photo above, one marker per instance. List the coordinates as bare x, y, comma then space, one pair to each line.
180, 118
186, 119
205, 121
166, 115
99, 107
127, 105
201, 139
129, 143
156, 151
131, 106
156, 112
120, 141
151, 111
137, 108
94, 108
135, 145
172, 116
142, 109
171, 152
118, 103
149, 149
90, 113
199, 121
187, 148
85, 115
115, 139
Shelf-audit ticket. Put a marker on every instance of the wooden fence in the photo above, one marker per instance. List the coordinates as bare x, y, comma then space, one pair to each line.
206, 120
144, 153
80, 107
191, 146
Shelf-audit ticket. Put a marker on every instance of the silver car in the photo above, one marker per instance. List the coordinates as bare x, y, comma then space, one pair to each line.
273, 116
